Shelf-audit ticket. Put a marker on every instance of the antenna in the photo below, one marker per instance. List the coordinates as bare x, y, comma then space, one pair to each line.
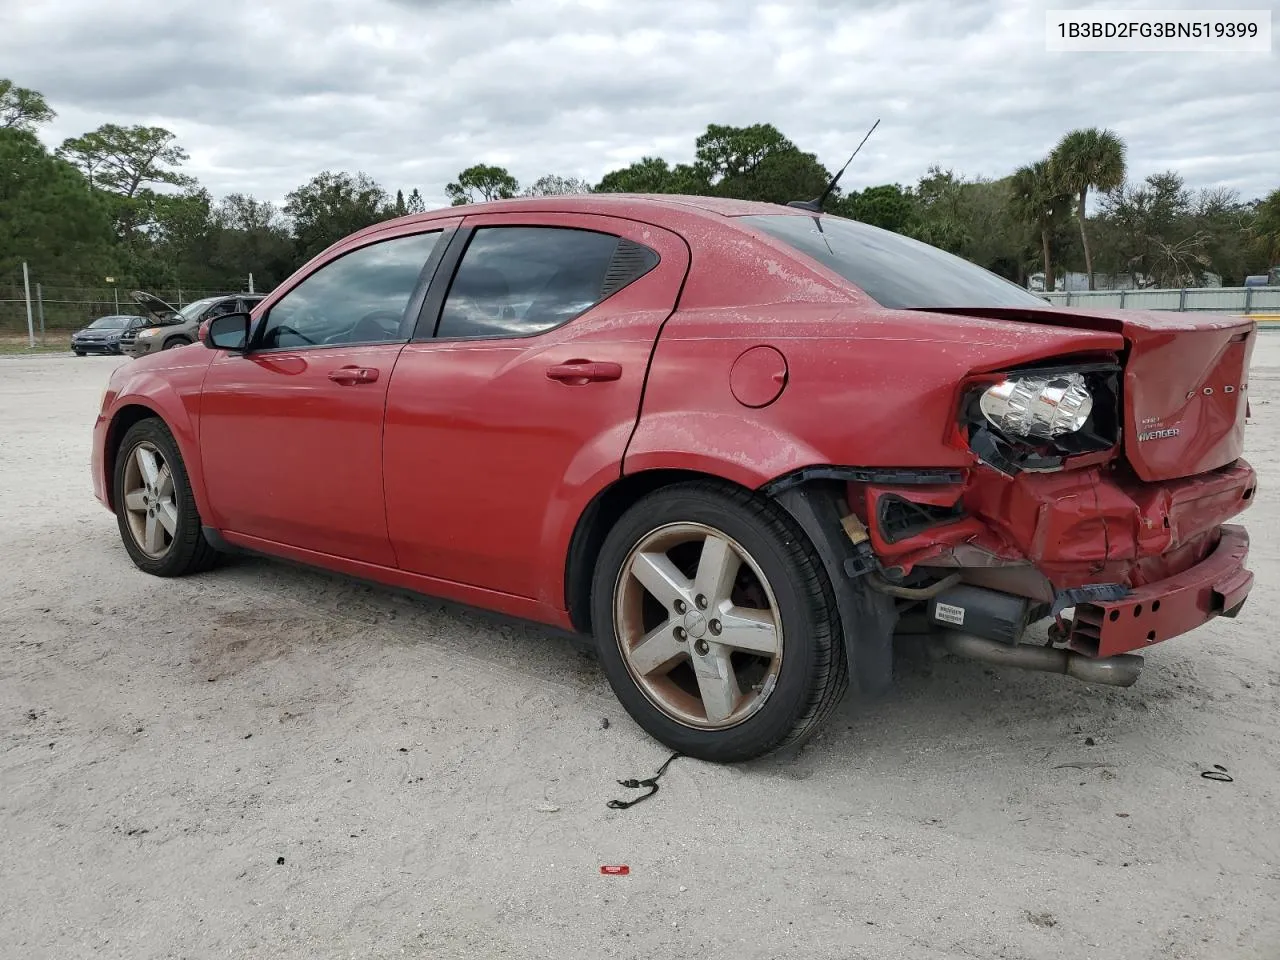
816, 205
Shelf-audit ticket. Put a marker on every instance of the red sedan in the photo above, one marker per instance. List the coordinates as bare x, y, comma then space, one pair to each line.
741, 444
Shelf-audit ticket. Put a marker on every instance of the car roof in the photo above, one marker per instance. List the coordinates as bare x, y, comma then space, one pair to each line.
717, 206
657, 208
615, 204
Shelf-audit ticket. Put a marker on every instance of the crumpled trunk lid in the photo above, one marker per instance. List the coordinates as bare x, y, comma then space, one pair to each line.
1185, 383
1186, 394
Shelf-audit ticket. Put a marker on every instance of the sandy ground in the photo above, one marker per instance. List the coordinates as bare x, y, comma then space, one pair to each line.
270, 762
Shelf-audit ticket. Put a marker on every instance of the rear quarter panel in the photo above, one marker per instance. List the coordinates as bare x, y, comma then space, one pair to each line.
864, 387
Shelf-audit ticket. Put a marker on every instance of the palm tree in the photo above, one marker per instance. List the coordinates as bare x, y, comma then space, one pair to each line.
1039, 202
1180, 264
1084, 159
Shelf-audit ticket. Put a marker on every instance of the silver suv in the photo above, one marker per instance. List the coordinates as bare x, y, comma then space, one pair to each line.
170, 327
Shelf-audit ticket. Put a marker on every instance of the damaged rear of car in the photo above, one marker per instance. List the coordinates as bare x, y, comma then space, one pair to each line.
1093, 486
1115, 479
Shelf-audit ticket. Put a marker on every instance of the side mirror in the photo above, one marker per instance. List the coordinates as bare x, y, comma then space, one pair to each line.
228, 332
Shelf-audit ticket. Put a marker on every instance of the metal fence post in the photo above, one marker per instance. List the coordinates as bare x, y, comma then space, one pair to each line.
1248, 300
40, 308
26, 284
1182, 299
1122, 298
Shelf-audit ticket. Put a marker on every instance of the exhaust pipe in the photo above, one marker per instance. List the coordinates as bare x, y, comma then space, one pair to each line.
1118, 671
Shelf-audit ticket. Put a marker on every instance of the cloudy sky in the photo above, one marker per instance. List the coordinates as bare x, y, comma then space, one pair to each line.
266, 93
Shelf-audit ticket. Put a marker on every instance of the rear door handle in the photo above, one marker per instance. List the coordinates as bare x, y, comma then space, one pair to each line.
584, 371
349, 375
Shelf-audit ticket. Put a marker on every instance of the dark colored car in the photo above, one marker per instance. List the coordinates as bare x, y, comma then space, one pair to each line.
171, 326
104, 334
741, 444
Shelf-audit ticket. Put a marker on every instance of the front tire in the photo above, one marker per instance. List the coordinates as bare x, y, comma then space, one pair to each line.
156, 513
175, 342
716, 623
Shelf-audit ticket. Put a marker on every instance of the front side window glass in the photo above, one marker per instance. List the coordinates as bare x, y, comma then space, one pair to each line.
359, 298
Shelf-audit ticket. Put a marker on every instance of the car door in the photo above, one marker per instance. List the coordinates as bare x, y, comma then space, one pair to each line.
520, 390
291, 431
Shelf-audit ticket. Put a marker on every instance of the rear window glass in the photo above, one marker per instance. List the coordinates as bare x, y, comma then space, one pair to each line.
895, 271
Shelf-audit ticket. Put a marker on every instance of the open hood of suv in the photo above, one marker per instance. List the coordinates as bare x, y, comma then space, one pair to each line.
155, 308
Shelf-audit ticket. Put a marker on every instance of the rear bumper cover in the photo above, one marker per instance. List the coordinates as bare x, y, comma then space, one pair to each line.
1170, 544
1216, 586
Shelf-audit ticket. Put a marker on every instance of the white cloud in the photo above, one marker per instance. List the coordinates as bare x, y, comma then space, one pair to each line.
264, 95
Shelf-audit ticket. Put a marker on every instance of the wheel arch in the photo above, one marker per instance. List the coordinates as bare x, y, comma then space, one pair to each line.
815, 505
121, 420
136, 408
598, 518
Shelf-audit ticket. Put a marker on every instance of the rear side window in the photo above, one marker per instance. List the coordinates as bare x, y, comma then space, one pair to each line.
221, 308
895, 271
520, 281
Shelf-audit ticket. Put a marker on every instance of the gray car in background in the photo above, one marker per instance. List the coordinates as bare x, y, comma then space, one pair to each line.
170, 326
104, 334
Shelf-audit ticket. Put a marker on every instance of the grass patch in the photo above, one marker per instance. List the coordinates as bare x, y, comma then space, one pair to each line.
20, 346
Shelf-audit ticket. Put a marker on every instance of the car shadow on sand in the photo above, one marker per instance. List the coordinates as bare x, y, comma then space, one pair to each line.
938, 702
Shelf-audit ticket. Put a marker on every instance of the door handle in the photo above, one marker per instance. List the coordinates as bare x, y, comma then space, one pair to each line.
584, 371
353, 374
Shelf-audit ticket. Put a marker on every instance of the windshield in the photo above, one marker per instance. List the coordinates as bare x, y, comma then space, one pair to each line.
895, 271
193, 310
110, 323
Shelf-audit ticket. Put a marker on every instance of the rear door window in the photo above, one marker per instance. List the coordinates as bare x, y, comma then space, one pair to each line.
519, 281
221, 308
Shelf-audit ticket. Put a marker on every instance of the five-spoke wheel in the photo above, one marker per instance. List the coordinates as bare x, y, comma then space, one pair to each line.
148, 500
699, 591
705, 646
155, 510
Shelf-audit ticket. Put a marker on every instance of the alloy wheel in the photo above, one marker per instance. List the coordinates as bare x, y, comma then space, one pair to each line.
149, 502
698, 626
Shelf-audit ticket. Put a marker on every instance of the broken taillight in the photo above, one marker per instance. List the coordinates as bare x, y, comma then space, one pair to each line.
1038, 407
1035, 418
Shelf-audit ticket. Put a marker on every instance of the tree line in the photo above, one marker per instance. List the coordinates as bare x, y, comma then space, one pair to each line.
116, 202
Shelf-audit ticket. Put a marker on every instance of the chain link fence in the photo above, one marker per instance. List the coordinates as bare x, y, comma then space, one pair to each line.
59, 308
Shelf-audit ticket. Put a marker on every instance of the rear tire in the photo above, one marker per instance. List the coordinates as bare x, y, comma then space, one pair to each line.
743, 653
156, 513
